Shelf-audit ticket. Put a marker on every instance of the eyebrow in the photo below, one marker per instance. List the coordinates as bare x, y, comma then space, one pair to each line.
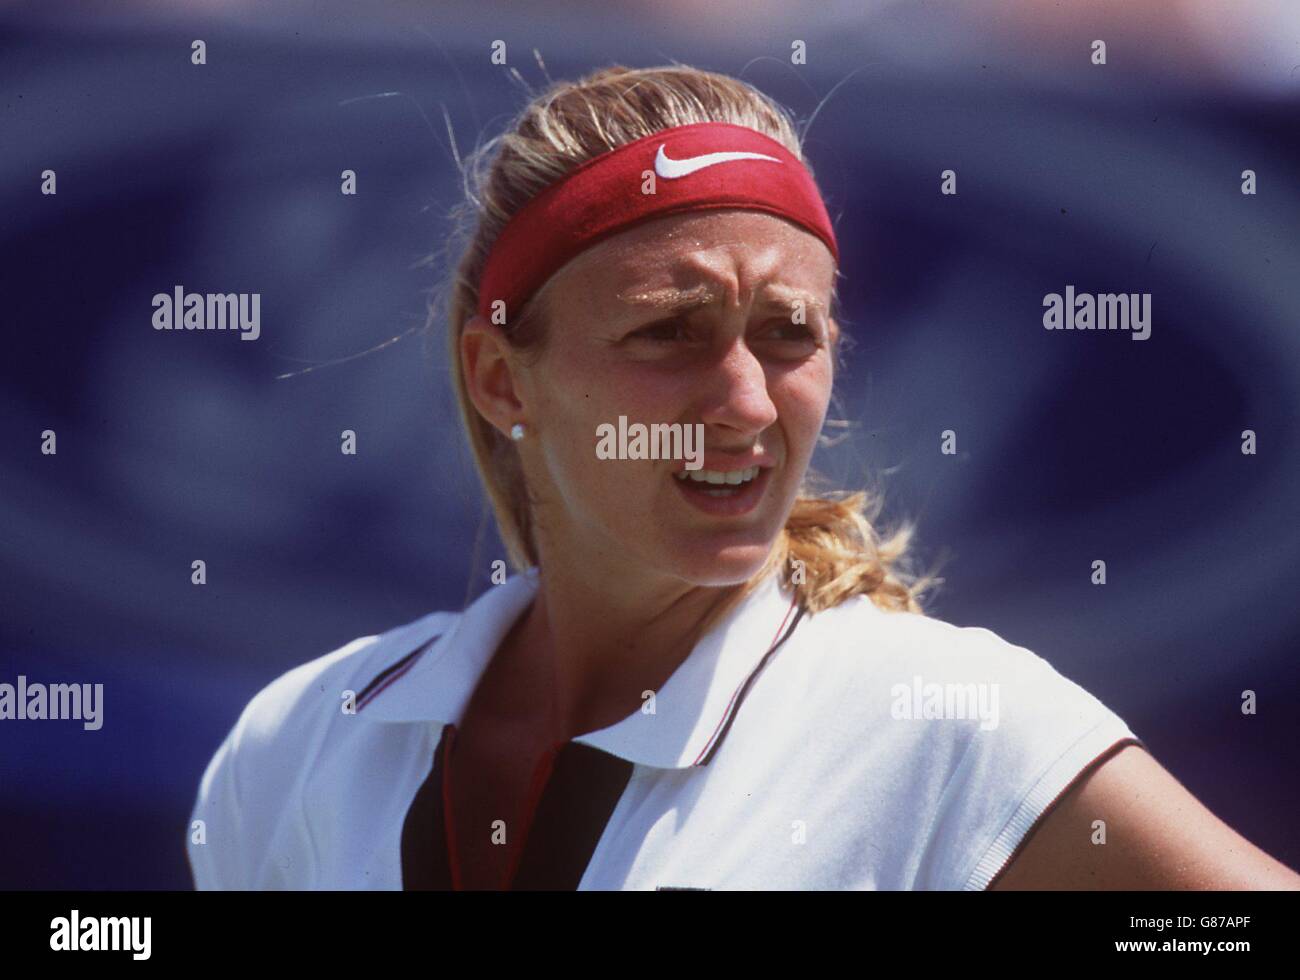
674, 299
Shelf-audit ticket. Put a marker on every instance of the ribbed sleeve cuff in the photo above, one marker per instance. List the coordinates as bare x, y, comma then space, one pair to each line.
1059, 777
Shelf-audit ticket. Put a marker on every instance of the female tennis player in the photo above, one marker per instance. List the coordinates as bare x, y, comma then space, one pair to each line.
702, 674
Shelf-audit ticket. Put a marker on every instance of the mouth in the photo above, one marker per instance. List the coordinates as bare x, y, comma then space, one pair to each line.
723, 493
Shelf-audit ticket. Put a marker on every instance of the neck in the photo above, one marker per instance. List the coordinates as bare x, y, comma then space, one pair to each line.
609, 636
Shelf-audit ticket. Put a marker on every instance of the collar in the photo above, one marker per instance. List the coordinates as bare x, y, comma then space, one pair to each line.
433, 673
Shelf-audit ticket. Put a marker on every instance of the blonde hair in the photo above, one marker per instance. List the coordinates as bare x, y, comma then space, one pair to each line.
829, 550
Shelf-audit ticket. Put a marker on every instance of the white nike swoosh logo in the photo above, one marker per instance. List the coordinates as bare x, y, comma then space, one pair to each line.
672, 169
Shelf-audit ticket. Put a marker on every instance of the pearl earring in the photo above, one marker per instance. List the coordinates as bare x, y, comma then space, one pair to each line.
517, 431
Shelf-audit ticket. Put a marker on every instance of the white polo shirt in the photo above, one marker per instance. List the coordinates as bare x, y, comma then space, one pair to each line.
851, 749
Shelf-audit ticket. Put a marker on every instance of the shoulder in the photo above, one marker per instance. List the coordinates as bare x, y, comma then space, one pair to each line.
268, 752
980, 733
295, 705
966, 686
869, 667
857, 637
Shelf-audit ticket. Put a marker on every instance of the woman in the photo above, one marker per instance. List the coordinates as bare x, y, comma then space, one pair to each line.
701, 677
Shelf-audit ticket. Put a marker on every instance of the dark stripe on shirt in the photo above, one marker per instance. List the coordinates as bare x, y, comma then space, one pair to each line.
586, 784
584, 787
749, 682
391, 673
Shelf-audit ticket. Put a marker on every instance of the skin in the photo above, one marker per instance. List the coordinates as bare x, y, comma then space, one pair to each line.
1158, 836
614, 536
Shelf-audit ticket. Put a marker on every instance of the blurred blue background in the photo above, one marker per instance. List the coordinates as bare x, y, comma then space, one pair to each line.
224, 178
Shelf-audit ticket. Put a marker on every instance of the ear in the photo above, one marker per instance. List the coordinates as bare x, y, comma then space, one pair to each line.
489, 372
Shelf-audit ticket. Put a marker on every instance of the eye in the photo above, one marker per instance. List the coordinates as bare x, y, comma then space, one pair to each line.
671, 329
785, 329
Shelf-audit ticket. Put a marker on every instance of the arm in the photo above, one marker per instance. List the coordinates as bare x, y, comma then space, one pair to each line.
1158, 836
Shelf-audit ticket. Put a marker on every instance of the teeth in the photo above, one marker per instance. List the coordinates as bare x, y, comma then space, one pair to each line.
719, 477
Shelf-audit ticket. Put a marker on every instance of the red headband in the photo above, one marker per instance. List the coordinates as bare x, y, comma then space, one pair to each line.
696, 168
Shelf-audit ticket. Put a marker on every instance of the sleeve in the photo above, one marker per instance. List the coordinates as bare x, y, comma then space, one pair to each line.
252, 785
215, 835
1048, 732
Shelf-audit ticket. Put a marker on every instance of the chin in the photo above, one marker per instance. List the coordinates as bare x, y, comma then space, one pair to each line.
723, 566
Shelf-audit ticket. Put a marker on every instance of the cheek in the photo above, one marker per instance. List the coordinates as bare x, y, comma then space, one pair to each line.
802, 398
568, 413
586, 391
572, 403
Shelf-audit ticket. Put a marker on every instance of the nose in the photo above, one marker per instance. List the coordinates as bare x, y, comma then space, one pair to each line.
737, 397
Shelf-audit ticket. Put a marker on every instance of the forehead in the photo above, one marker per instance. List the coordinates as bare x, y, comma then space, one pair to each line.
732, 254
